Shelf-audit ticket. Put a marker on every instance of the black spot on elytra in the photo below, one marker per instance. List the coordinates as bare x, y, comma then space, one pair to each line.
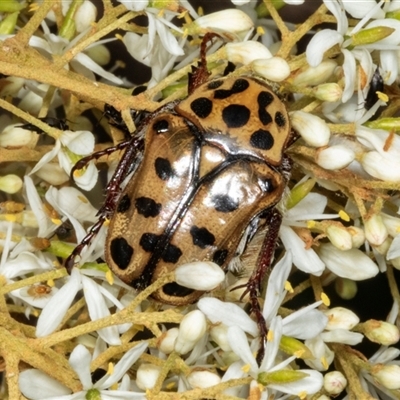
124, 204
220, 256
121, 252
201, 237
148, 241
239, 86
280, 119
262, 139
173, 289
215, 84
235, 115
202, 107
147, 207
264, 99
225, 203
161, 126
163, 168
172, 254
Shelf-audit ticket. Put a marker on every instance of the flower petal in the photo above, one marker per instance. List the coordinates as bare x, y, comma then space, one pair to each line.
228, 313
79, 360
319, 43
56, 308
98, 309
36, 385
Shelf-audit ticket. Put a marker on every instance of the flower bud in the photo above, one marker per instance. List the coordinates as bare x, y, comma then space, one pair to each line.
387, 375
378, 166
299, 192
100, 55
85, 16
13, 136
294, 347
167, 341
357, 236
335, 157
203, 379
219, 334
229, 20
351, 264
315, 75
147, 375
246, 52
275, 69
280, 377
312, 129
53, 174
199, 275
392, 224
192, 328
10, 183
11, 85
371, 35
339, 237
375, 230
341, 318
330, 92
380, 332
334, 382
346, 288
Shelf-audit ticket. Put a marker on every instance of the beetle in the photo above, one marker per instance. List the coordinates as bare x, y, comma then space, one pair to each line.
376, 85
204, 168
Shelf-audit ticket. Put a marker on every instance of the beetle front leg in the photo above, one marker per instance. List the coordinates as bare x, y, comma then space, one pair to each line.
133, 147
274, 220
98, 154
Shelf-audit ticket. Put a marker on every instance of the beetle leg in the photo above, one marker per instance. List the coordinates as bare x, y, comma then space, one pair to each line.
98, 154
200, 74
274, 220
133, 147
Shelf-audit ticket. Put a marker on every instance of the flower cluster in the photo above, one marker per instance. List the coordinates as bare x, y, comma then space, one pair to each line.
88, 334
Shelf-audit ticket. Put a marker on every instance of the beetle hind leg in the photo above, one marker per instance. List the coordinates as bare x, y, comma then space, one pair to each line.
253, 286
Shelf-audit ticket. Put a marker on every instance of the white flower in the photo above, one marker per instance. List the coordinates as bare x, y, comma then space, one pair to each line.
158, 49
147, 375
334, 382
310, 207
199, 275
203, 379
313, 76
335, 157
230, 20
191, 330
239, 343
312, 129
352, 264
79, 142
341, 318
375, 230
246, 52
95, 296
36, 385
275, 69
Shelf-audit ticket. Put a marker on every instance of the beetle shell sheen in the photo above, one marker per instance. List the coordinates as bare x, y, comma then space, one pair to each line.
210, 166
